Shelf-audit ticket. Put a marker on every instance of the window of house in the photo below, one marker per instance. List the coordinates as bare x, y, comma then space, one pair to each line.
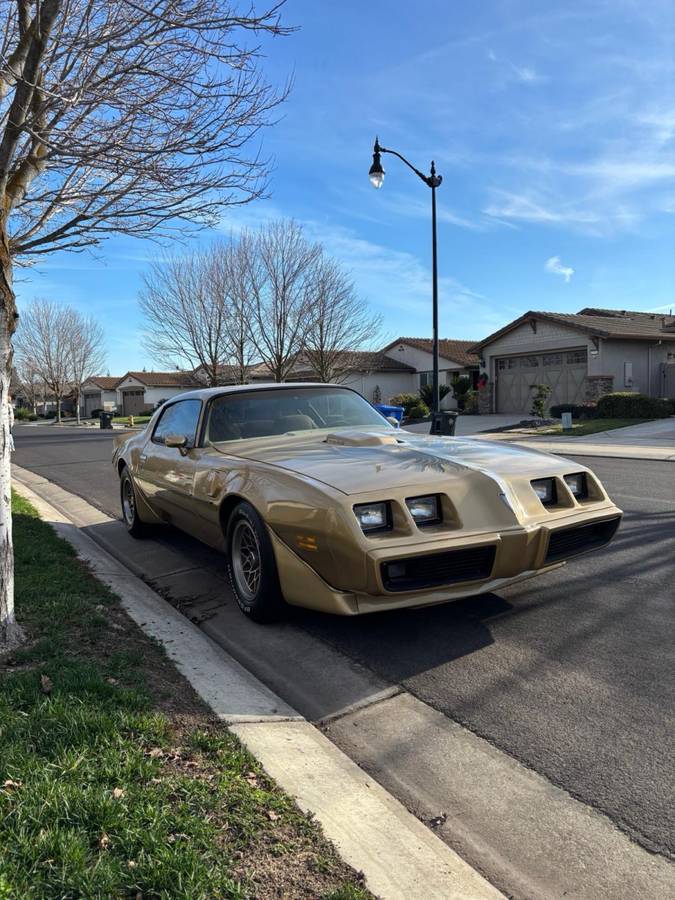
576, 356
426, 378
552, 359
179, 418
529, 362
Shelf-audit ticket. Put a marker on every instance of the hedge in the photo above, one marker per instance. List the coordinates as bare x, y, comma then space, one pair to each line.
578, 410
624, 405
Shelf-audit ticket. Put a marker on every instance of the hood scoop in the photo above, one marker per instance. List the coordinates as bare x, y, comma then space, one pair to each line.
361, 438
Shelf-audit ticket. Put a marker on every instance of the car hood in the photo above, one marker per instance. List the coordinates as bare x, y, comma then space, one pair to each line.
355, 462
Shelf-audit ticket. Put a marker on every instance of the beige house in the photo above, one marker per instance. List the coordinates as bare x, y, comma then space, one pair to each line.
580, 356
99, 392
142, 392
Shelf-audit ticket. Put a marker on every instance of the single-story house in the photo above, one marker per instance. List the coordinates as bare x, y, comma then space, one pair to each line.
142, 392
456, 359
581, 356
402, 367
373, 374
99, 392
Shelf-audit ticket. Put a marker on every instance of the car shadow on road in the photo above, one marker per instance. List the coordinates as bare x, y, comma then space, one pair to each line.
402, 643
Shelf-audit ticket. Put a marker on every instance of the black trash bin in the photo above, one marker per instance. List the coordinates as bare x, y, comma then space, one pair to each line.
444, 422
105, 420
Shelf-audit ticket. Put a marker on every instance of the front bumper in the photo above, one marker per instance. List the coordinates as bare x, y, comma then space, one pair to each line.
498, 559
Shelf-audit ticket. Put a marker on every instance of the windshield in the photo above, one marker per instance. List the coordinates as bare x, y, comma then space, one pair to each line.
264, 413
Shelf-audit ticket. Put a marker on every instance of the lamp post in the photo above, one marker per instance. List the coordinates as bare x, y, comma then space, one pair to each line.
376, 175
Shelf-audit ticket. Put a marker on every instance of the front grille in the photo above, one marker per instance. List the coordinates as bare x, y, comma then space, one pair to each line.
437, 569
568, 542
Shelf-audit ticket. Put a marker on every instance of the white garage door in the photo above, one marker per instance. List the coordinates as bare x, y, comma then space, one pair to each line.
564, 371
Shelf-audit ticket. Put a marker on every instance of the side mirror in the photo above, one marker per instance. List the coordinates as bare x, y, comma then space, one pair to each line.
175, 440
393, 421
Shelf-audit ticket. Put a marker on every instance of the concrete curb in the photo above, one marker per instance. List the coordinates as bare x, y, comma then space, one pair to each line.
399, 856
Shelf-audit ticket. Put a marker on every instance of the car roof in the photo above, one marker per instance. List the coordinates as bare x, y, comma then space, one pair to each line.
207, 393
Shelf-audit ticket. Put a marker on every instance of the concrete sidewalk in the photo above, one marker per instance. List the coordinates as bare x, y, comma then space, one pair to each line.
374, 833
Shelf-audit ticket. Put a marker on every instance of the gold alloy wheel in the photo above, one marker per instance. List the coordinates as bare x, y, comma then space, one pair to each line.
128, 501
246, 564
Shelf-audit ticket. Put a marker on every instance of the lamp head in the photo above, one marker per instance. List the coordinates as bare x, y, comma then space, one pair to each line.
376, 172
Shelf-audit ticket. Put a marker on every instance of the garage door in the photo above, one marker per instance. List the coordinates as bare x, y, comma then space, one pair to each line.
133, 403
564, 371
92, 402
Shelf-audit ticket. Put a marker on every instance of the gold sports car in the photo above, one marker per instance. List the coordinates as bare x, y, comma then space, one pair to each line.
318, 501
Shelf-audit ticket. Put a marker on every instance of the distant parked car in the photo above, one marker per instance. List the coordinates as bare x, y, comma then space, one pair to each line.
318, 501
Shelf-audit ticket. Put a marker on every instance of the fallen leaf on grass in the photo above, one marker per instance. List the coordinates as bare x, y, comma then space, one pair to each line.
10, 785
104, 841
155, 753
46, 684
131, 863
118, 793
272, 816
113, 680
252, 779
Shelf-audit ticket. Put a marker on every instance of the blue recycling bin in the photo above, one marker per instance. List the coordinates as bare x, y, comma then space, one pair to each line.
395, 412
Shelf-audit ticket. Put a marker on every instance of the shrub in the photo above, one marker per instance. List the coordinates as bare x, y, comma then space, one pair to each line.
578, 410
470, 403
22, 414
407, 401
540, 394
419, 411
33, 417
626, 405
427, 393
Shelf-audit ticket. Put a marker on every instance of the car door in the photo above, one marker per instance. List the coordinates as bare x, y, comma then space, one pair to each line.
166, 474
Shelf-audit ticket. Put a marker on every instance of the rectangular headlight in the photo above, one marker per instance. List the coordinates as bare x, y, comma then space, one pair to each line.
544, 488
424, 510
577, 484
373, 516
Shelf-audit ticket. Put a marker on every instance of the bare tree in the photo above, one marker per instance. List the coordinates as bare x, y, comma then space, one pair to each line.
31, 382
184, 301
240, 342
118, 116
86, 353
280, 265
340, 325
44, 341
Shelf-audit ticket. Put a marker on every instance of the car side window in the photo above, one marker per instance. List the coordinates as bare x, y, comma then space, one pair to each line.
179, 418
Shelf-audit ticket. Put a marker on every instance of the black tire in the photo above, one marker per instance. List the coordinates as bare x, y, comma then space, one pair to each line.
130, 517
251, 566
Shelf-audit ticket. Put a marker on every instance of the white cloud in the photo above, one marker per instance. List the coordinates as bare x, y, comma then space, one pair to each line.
523, 74
556, 267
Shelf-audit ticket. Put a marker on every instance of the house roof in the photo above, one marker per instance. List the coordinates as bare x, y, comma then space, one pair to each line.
355, 361
105, 382
162, 379
460, 352
605, 323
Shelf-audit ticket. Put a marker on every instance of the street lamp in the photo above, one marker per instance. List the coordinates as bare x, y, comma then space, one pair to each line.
376, 175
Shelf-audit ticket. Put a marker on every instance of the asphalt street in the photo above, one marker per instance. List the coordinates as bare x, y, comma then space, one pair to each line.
571, 673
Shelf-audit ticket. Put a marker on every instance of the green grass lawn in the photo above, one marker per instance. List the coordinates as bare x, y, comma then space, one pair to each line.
115, 780
138, 420
589, 426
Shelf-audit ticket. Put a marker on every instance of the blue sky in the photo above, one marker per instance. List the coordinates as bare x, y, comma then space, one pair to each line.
553, 126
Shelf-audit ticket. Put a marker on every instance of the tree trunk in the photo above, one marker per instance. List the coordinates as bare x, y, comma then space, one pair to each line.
77, 407
58, 408
10, 632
